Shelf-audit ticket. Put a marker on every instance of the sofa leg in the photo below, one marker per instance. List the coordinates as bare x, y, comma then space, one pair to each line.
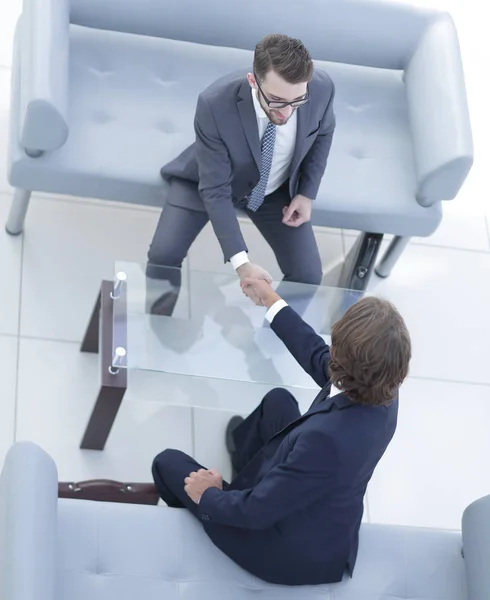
392, 254
18, 211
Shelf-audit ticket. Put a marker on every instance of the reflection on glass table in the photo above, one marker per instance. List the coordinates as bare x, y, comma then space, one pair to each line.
211, 329
196, 325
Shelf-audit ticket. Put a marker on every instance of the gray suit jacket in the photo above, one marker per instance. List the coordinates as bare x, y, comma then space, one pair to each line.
225, 158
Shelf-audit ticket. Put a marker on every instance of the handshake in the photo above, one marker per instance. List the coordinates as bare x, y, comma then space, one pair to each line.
256, 285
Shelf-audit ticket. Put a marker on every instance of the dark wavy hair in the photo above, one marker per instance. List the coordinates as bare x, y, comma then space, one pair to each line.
370, 352
287, 56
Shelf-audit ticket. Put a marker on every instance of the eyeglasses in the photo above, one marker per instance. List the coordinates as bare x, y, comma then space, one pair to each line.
278, 104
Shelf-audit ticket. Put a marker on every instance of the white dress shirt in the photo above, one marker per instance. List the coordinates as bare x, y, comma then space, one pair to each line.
283, 146
281, 159
270, 315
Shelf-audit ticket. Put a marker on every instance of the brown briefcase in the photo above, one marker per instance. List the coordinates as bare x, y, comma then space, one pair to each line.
107, 490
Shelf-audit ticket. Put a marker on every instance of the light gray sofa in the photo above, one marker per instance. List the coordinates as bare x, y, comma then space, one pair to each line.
54, 549
104, 92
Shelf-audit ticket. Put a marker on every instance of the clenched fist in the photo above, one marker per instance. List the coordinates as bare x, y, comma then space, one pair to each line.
199, 481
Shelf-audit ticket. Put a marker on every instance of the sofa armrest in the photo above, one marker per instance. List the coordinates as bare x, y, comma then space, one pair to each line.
44, 53
28, 524
438, 113
476, 548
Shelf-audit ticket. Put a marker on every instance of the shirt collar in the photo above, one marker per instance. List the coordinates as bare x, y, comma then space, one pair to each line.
339, 398
259, 111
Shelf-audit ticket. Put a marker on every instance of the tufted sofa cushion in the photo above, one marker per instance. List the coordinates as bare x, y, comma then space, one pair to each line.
131, 107
122, 552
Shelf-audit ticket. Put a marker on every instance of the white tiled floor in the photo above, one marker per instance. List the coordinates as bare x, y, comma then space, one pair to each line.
11, 261
438, 461
83, 240
56, 391
8, 382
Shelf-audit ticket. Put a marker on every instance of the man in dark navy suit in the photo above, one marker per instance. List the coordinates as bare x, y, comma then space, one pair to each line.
292, 513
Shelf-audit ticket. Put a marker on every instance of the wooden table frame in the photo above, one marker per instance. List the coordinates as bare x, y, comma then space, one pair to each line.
113, 380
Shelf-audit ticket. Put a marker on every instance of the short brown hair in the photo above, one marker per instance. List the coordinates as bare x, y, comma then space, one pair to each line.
285, 55
370, 352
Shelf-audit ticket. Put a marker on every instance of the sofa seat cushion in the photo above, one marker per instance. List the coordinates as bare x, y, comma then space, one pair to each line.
131, 108
123, 551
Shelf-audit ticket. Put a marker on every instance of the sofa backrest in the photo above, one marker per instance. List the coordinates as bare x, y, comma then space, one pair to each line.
378, 33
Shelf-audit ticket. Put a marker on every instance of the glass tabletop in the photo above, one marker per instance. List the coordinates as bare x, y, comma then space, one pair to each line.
196, 323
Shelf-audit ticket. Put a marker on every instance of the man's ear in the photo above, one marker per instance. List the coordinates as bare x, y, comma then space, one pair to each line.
251, 81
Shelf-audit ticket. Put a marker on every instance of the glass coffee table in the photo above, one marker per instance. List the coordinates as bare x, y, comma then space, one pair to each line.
210, 329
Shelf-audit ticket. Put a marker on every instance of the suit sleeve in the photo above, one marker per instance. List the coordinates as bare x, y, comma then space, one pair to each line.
215, 174
289, 487
307, 347
315, 162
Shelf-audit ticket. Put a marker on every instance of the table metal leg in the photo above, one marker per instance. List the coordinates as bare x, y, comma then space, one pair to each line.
99, 337
359, 263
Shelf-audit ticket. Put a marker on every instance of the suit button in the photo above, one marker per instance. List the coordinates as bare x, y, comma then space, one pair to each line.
250, 185
205, 517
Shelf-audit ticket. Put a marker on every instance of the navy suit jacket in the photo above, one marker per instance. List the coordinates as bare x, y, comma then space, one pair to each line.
292, 516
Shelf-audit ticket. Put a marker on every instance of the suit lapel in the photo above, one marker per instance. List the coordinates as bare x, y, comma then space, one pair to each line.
323, 406
302, 130
249, 120
320, 404
322, 394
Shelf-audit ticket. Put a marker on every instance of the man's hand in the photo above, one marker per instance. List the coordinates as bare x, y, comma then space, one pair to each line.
250, 270
259, 291
198, 482
298, 212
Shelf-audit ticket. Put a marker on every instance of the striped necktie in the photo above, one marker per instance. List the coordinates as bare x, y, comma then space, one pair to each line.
267, 152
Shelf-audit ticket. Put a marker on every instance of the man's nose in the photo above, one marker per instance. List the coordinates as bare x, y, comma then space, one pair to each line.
286, 112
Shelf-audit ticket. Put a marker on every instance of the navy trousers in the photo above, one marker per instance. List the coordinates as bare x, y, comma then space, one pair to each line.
277, 409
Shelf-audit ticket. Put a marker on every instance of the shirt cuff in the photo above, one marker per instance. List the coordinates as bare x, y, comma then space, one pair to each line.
274, 309
237, 260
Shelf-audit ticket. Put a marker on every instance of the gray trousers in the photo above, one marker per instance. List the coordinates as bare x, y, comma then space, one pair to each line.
295, 248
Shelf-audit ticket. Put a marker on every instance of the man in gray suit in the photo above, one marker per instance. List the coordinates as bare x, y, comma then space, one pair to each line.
262, 143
